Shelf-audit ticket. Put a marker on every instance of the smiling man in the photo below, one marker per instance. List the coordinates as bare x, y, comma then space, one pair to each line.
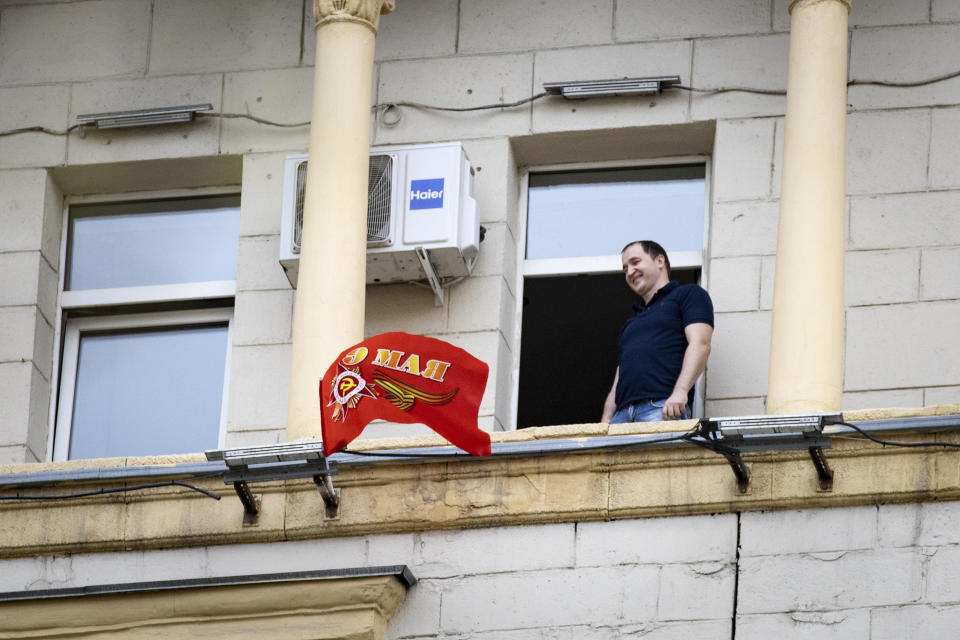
663, 346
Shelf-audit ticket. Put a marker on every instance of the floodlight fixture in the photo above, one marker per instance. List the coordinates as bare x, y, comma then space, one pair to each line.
804, 423
612, 87
245, 456
277, 462
142, 117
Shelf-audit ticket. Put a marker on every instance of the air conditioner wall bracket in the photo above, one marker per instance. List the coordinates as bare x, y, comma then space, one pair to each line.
424, 257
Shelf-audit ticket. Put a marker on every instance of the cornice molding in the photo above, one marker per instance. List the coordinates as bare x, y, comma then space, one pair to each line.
326, 609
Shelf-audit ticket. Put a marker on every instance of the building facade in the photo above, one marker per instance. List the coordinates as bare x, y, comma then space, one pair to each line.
610, 543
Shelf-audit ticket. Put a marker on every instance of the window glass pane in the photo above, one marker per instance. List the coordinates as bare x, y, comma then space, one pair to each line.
594, 213
158, 242
148, 392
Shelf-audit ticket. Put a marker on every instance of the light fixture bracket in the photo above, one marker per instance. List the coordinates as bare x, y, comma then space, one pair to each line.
732, 436
277, 462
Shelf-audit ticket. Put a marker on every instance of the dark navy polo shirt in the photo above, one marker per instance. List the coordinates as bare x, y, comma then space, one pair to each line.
652, 342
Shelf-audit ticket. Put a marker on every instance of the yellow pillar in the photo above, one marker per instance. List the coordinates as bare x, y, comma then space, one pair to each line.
329, 307
806, 346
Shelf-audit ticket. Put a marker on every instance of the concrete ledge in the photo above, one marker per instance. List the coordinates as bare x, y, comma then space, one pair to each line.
886, 414
149, 175
401, 497
627, 143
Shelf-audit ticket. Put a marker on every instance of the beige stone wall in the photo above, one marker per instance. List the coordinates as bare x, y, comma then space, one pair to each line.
30, 219
877, 572
553, 547
254, 57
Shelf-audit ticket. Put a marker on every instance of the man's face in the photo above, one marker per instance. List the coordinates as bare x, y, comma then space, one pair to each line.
642, 272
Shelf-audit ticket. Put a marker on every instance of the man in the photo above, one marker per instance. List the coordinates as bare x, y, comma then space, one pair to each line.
664, 346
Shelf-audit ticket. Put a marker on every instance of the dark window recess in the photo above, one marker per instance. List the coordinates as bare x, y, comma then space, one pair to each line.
569, 344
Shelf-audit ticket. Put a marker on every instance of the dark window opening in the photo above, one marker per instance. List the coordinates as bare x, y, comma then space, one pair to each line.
571, 324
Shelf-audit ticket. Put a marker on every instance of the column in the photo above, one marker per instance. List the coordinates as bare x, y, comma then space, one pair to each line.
806, 346
329, 307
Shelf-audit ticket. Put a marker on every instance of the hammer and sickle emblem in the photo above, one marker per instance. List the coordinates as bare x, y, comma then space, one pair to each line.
347, 389
346, 384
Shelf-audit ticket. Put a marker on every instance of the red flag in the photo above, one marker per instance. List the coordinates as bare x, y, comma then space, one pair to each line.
401, 377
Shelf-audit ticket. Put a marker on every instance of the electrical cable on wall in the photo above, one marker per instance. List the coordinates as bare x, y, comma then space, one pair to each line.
39, 129
891, 443
392, 108
247, 116
482, 107
698, 435
688, 435
109, 490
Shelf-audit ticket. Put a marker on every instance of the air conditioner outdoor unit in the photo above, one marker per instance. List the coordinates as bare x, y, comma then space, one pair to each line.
421, 215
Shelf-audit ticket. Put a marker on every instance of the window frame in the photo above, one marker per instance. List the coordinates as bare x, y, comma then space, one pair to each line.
67, 329
545, 267
75, 328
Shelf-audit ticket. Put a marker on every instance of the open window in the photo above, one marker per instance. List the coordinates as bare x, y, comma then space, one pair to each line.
147, 305
574, 298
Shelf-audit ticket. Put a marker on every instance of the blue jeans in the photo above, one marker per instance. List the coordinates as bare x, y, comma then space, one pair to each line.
650, 411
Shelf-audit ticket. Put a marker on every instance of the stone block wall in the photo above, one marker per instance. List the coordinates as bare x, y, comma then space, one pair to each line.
863, 572
255, 57
30, 219
857, 573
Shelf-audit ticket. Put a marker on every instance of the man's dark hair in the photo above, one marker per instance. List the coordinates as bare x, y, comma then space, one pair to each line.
652, 249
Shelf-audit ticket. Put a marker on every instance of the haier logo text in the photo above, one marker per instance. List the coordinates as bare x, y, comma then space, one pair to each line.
426, 194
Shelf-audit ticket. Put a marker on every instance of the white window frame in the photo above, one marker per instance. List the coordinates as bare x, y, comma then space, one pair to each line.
68, 330
544, 267
77, 327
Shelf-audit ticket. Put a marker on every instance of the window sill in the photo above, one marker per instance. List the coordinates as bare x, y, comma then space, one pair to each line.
155, 294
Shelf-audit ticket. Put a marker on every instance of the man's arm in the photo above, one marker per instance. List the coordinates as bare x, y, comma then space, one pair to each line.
610, 404
694, 360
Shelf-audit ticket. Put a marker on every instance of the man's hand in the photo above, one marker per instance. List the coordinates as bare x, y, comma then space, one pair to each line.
698, 335
675, 405
610, 403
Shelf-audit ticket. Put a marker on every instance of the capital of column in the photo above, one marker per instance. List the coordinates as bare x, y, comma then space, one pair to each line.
796, 3
365, 12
